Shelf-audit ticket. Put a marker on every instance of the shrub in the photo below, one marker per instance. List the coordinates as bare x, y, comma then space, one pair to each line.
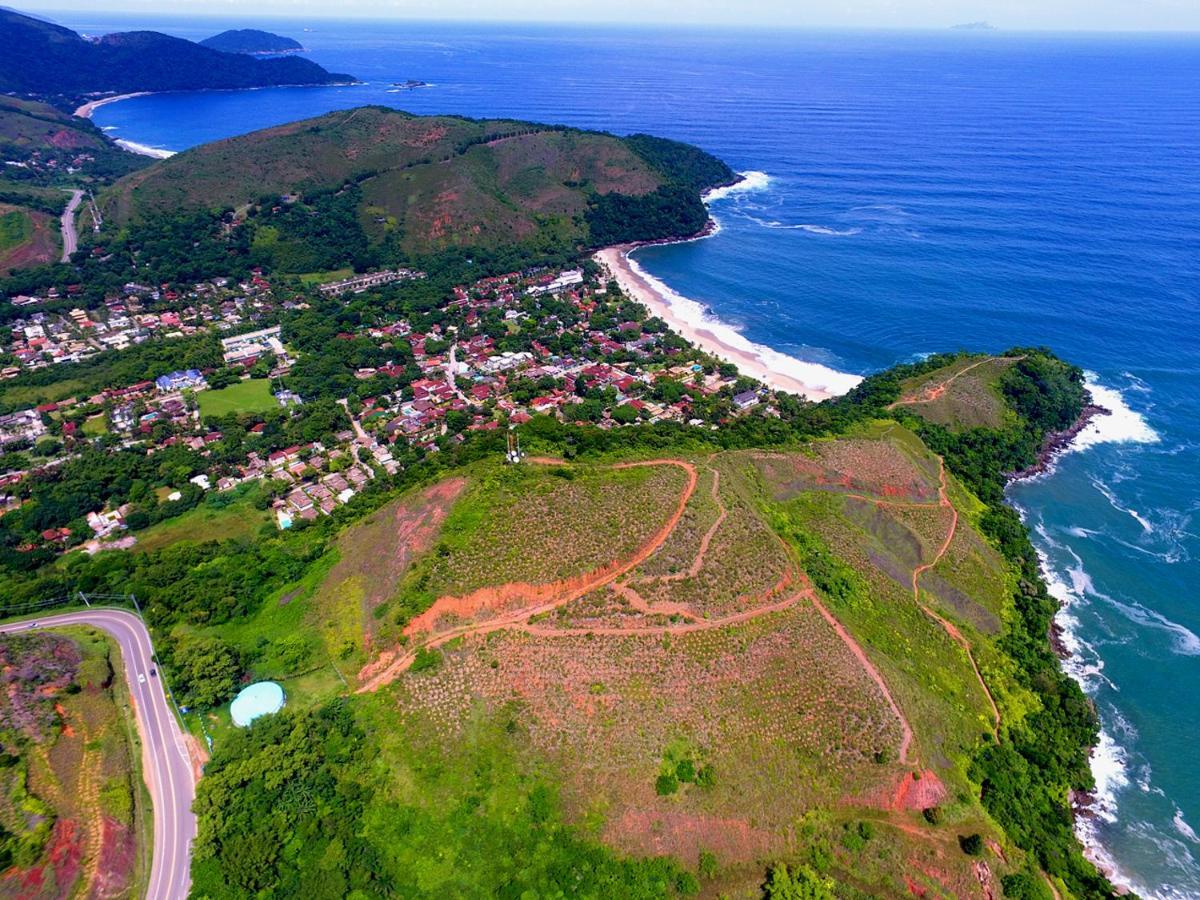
932, 814
972, 844
665, 785
685, 771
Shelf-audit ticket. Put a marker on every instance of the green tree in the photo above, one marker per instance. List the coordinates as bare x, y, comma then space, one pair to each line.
206, 671
797, 883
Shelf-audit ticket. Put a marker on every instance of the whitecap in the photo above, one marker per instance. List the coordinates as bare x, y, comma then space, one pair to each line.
750, 181
697, 315
1185, 642
145, 150
1116, 504
824, 230
1123, 425
1183, 827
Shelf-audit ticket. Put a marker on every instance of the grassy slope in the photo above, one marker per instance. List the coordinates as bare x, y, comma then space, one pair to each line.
27, 125
434, 181
28, 237
733, 698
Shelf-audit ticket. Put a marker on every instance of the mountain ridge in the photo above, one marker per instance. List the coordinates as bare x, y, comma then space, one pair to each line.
39, 57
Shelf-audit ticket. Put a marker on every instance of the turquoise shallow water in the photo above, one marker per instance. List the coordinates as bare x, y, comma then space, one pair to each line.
922, 192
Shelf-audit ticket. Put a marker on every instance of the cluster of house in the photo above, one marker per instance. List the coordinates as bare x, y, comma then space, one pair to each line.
44, 338
319, 480
469, 374
52, 162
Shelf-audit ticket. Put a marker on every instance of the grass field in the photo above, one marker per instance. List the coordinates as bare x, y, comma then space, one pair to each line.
28, 237
15, 228
251, 395
205, 523
308, 279
95, 426
965, 394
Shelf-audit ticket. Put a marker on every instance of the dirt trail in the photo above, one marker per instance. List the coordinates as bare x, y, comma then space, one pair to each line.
556, 593
936, 391
705, 540
392, 664
869, 668
950, 628
547, 597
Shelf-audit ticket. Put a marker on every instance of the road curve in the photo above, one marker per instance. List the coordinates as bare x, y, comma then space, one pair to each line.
70, 237
166, 764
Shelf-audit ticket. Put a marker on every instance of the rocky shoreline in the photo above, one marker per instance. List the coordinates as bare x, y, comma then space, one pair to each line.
1058, 441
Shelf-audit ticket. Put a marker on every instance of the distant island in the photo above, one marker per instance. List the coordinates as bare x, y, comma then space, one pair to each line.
39, 58
251, 41
973, 26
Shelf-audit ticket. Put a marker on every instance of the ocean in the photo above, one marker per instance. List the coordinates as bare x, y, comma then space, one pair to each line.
909, 193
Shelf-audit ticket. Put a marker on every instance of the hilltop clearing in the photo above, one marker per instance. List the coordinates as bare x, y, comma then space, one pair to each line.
403, 185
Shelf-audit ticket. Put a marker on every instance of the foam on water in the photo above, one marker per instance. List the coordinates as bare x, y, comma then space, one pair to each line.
1123, 425
751, 181
144, 150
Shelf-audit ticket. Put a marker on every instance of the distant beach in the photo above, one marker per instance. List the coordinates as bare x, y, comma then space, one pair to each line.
687, 317
85, 111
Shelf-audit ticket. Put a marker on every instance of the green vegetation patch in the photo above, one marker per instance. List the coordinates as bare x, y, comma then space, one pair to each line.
250, 395
15, 228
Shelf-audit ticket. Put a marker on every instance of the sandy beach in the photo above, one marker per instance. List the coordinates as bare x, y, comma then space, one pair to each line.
774, 369
85, 111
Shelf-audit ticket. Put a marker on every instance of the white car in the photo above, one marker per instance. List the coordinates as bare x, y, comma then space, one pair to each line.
141, 678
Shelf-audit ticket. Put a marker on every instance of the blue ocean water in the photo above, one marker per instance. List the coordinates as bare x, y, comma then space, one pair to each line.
922, 192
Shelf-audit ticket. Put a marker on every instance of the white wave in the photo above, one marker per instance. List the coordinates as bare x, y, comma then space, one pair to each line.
1185, 641
751, 181
1123, 425
1183, 827
824, 230
109, 128
696, 314
1116, 504
145, 150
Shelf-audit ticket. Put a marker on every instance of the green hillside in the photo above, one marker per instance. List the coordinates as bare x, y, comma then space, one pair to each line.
410, 185
43, 143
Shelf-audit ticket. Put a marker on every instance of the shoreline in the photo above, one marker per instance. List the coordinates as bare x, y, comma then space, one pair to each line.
754, 360
1085, 806
86, 110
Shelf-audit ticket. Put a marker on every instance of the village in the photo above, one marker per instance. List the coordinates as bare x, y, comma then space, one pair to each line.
43, 337
497, 353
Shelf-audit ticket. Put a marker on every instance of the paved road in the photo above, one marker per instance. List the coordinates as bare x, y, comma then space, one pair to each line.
165, 761
70, 237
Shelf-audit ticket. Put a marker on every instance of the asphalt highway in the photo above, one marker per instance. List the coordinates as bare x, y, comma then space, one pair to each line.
70, 237
165, 761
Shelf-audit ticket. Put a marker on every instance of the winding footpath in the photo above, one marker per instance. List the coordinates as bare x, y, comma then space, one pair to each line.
166, 764
390, 666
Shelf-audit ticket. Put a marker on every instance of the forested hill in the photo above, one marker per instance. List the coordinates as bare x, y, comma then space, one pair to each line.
251, 40
398, 184
41, 58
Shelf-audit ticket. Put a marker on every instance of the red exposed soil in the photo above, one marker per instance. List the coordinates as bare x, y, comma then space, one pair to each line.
683, 835
937, 391
541, 599
116, 858
556, 593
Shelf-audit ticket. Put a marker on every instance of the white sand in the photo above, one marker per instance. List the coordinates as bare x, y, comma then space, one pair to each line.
688, 318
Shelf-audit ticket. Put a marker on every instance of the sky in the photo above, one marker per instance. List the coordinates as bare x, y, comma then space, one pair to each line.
1072, 15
